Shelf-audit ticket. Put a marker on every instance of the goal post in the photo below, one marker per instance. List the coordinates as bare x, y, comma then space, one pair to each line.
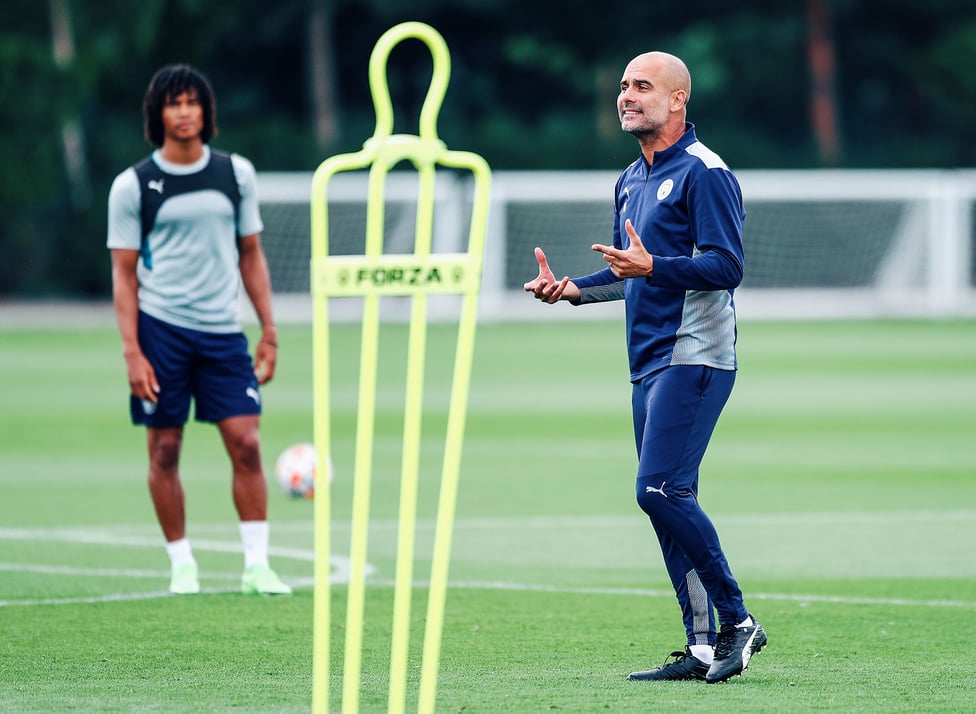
866, 243
818, 243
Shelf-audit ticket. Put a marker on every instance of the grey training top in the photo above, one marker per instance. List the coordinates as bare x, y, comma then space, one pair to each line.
188, 273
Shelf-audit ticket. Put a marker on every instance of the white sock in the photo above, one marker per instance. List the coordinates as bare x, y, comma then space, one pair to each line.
747, 622
179, 552
705, 653
254, 536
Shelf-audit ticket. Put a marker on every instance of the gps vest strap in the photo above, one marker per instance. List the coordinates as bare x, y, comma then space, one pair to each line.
155, 186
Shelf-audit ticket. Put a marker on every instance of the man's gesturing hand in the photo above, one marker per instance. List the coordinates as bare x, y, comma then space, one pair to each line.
634, 262
545, 287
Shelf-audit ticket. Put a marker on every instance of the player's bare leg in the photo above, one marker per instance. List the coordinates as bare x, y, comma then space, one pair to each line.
242, 440
164, 480
243, 443
166, 490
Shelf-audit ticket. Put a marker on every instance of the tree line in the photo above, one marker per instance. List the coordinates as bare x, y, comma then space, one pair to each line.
817, 83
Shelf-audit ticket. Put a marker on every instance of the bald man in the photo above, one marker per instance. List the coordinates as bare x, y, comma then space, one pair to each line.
676, 259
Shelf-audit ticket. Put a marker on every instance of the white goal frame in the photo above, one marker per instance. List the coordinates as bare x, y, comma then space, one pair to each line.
928, 272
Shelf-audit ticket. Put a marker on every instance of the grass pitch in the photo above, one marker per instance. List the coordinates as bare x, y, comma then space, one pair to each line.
840, 479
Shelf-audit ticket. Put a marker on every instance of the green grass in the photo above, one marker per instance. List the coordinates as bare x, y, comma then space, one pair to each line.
840, 478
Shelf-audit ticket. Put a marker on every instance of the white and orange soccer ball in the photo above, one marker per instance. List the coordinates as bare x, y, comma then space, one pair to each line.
295, 471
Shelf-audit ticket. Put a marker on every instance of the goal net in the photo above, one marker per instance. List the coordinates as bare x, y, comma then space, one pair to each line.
817, 243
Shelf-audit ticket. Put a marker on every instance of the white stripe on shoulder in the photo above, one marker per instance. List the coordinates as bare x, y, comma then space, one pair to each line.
707, 156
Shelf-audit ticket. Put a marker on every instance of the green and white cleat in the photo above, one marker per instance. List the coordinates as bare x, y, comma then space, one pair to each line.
184, 580
262, 580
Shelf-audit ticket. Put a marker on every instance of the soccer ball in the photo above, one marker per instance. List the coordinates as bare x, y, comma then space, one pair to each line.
295, 471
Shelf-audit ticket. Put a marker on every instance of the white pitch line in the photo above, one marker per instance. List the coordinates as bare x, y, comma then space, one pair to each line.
641, 592
814, 518
128, 597
118, 597
98, 537
340, 565
477, 523
340, 575
92, 572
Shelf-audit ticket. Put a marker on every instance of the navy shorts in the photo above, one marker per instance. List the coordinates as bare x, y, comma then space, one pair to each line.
212, 369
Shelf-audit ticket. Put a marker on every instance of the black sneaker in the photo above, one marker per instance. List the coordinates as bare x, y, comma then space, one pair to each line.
734, 648
684, 666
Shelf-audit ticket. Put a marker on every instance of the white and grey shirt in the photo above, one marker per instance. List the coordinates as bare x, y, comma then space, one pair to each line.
188, 270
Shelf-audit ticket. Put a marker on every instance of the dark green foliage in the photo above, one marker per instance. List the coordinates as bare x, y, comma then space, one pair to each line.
531, 88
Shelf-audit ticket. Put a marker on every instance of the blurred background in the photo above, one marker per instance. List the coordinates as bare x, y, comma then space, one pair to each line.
808, 84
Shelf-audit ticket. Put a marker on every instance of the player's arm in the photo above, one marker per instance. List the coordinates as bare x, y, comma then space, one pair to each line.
125, 297
257, 284
716, 215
